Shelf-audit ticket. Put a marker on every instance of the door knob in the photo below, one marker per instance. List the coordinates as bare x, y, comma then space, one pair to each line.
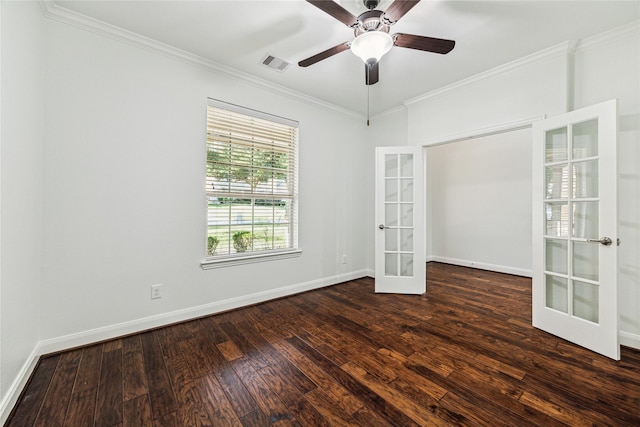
605, 241
382, 226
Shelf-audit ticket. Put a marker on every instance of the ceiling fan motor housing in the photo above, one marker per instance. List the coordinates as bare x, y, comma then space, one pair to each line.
371, 20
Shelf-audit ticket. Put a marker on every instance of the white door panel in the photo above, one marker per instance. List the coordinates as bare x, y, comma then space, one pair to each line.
575, 227
399, 205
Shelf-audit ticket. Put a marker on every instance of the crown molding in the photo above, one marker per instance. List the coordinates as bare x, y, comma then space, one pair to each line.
58, 13
629, 30
393, 110
567, 48
559, 50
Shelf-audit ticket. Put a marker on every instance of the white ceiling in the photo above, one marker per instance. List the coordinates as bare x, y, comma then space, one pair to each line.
240, 33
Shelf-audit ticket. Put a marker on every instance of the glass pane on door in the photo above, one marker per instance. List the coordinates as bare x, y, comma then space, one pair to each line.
391, 214
406, 265
557, 185
406, 190
406, 165
556, 256
556, 145
406, 240
557, 291
586, 260
585, 179
391, 264
585, 220
585, 301
391, 239
585, 139
406, 215
391, 190
391, 166
557, 219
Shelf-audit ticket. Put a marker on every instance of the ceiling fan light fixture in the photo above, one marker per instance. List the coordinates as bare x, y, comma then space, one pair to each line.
370, 46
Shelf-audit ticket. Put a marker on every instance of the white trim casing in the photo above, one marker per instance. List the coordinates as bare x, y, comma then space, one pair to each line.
210, 263
482, 132
628, 339
482, 265
13, 393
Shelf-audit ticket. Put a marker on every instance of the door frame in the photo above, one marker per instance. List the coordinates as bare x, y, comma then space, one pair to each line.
507, 127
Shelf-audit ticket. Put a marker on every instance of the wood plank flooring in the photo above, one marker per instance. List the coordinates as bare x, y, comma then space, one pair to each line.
462, 354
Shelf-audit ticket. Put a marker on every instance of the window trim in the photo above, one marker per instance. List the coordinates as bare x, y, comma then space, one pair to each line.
234, 259
218, 261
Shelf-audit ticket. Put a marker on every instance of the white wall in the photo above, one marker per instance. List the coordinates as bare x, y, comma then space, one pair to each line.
124, 202
527, 88
20, 192
481, 202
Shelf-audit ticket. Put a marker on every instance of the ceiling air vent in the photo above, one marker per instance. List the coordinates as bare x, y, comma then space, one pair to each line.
275, 63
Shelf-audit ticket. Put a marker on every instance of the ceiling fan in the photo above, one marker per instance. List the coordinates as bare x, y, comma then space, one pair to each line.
371, 29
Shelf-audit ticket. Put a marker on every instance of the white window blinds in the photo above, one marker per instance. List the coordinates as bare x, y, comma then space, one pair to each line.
251, 181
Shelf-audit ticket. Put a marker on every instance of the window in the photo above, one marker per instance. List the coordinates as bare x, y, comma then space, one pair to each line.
250, 184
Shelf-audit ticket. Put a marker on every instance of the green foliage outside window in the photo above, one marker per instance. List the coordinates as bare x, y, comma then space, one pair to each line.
246, 164
241, 240
212, 245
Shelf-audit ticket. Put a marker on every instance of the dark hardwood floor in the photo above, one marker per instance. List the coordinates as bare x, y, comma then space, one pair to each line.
462, 354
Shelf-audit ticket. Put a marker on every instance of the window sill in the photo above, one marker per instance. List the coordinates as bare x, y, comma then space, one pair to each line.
228, 261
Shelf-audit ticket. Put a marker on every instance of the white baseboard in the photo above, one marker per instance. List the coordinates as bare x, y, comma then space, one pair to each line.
134, 326
13, 393
630, 340
482, 265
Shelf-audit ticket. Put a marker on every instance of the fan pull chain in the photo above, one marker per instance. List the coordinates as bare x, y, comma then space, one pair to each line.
368, 91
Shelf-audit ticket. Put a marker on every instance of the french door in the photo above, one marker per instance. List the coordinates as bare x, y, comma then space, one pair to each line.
575, 227
399, 248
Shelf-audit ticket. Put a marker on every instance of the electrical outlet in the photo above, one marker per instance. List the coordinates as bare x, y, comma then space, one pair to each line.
156, 291
344, 259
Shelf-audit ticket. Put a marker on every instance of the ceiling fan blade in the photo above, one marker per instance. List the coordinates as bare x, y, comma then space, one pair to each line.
398, 8
428, 44
335, 10
371, 73
324, 54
